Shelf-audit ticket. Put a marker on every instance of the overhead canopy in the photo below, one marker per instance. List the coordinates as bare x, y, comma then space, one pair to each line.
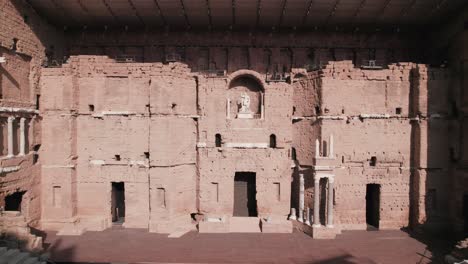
245, 14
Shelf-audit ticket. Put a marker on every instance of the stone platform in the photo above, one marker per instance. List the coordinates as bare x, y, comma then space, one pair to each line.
245, 225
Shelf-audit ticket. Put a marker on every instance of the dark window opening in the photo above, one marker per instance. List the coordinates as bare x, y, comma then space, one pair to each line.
37, 101
453, 156
342, 159
373, 161
13, 201
317, 110
398, 110
117, 157
37, 147
293, 154
35, 158
147, 155
325, 148
91, 108
294, 110
118, 202
14, 46
454, 109
342, 111
218, 140
173, 105
272, 141
373, 205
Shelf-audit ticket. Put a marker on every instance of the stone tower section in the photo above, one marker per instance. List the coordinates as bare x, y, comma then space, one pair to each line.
133, 124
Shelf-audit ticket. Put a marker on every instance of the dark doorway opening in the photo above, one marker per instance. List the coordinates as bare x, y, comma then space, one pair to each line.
245, 194
13, 201
373, 206
465, 213
118, 202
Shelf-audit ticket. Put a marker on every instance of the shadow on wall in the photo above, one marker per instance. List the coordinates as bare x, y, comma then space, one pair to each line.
433, 158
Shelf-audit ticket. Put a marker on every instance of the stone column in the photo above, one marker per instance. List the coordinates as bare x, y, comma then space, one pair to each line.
317, 148
228, 108
22, 136
301, 197
262, 106
10, 136
330, 144
292, 216
330, 202
316, 201
307, 216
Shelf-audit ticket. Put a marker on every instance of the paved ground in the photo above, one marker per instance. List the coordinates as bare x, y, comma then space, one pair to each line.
136, 245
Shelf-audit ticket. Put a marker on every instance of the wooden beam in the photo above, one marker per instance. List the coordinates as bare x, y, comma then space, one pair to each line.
187, 22
158, 7
130, 2
306, 15
283, 11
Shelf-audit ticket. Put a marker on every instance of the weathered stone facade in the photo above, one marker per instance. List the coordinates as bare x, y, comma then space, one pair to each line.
169, 131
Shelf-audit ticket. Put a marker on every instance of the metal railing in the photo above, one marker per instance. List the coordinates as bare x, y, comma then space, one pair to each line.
277, 77
371, 64
173, 57
214, 73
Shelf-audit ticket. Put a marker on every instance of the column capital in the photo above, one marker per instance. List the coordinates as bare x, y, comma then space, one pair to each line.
11, 118
331, 179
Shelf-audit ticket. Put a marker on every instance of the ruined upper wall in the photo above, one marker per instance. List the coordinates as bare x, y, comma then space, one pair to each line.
26, 40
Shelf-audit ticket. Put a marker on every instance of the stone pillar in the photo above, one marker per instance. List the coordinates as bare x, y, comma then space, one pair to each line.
330, 202
22, 136
316, 201
262, 106
293, 214
10, 136
317, 148
228, 108
330, 144
307, 216
301, 197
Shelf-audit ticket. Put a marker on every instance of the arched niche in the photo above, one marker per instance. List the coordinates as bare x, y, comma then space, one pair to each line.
245, 95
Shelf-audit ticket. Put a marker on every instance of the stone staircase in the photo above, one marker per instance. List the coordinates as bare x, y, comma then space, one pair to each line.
15, 256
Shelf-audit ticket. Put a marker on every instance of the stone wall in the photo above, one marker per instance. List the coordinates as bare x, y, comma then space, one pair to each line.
389, 128
24, 39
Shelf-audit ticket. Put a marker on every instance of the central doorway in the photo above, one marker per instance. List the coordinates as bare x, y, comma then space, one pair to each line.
245, 194
118, 202
372, 206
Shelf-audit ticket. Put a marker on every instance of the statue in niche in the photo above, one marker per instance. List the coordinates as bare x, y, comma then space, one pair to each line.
244, 109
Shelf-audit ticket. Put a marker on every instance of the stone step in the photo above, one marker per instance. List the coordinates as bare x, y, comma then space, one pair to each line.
10, 254
244, 225
18, 259
31, 260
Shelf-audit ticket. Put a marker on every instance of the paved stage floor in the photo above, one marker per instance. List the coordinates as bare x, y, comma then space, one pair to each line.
139, 246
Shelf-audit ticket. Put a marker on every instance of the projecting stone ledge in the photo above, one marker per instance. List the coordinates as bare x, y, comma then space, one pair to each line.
245, 145
321, 232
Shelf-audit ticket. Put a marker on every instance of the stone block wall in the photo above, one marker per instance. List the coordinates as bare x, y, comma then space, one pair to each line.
389, 126
118, 123
24, 39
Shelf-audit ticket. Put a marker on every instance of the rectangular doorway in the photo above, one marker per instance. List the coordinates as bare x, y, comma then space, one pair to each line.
372, 206
245, 194
118, 202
